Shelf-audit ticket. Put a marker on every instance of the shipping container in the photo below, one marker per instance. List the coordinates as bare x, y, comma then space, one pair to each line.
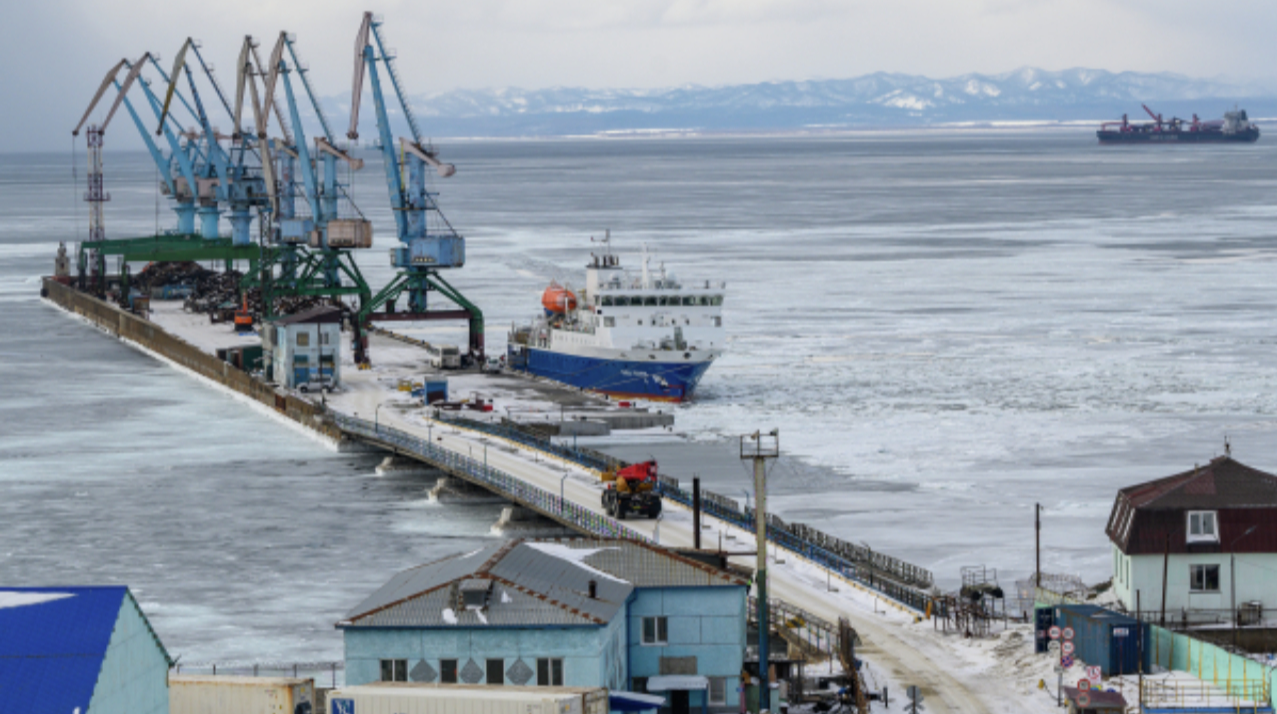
435, 391
412, 698
1116, 643
216, 694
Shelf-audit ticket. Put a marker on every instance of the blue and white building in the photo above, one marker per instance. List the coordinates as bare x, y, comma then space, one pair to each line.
580, 613
79, 649
304, 350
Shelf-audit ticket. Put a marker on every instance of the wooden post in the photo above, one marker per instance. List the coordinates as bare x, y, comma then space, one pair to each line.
1166, 562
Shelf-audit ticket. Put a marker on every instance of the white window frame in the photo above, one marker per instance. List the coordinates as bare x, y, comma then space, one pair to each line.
398, 670
660, 631
721, 684
1202, 534
1192, 577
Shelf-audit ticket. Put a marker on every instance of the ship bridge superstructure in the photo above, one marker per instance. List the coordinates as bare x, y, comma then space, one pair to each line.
643, 333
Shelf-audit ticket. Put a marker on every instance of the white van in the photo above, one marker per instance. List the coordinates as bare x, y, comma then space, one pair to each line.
443, 356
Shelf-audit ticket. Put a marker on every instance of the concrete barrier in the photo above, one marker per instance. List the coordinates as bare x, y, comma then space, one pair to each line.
153, 337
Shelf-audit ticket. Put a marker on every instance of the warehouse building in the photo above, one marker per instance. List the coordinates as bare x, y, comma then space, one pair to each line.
85, 649
579, 613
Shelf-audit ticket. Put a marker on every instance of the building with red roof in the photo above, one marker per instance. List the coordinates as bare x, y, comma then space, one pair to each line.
1207, 531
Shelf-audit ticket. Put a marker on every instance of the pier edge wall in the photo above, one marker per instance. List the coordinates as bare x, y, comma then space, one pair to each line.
153, 337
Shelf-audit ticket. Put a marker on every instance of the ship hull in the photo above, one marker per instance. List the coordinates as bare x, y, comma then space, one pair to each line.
1177, 137
623, 379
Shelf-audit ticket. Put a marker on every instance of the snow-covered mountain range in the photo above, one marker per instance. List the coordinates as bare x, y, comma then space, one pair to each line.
875, 100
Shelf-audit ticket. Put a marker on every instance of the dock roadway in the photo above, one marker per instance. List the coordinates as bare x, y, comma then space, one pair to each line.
891, 641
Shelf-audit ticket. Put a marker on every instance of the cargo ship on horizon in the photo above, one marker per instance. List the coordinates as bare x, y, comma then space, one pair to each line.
1234, 127
645, 336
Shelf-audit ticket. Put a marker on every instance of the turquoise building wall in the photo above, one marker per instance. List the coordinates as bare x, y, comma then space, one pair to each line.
593, 655
134, 674
707, 623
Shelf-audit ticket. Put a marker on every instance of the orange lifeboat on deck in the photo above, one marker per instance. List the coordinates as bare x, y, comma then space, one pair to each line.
557, 299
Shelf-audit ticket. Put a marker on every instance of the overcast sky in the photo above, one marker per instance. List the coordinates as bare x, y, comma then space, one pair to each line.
55, 52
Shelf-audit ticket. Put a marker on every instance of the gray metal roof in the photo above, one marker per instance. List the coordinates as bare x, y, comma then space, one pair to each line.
534, 583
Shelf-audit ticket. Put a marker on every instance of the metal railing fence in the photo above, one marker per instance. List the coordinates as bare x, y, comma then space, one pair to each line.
545, 502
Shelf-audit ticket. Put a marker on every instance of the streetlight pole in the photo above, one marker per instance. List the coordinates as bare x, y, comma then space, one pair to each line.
376, 419
562, 478
759, 451
1232, 578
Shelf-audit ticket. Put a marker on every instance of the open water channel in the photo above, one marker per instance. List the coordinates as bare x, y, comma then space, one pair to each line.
945, 326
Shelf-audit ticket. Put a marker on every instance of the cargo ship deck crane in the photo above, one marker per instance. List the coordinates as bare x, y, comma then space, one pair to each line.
422, 252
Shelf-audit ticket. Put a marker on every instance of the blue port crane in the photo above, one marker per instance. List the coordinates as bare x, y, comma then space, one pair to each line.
234, 175
181, 174
424, 250
315, 246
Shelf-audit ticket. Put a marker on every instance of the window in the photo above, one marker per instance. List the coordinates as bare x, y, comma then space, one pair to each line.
655, 630
689, 300
1201, 527
323, 338
609, 322
549, 672
621, 301
394, 670
716, 300
496, 671
717, 690
303, 339
718, 321
448, 671
638, 684
1203, 578
607, 301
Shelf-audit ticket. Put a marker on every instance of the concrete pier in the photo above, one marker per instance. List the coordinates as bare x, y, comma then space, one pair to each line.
402, 465
520, 522
449, 489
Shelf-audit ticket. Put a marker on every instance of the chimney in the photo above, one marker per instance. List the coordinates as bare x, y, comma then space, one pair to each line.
594, 589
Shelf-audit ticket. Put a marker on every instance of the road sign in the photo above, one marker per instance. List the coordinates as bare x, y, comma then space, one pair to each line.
1054, 632
1053, 646
1094, 674
1067, 661
1059, 669
1067, 633
1067, 648
1083, 684
1083, 700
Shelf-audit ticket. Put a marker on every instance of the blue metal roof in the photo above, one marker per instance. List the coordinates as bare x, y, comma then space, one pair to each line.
52, 643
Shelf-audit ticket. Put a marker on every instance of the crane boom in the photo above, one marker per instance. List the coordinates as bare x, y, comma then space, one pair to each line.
357, 87
110, 78
179, 62
134, 71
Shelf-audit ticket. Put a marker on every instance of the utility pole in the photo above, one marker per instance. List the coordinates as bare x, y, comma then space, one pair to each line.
759, 447
1037, 544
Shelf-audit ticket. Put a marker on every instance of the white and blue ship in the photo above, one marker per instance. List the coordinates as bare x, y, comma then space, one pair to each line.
645, 336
